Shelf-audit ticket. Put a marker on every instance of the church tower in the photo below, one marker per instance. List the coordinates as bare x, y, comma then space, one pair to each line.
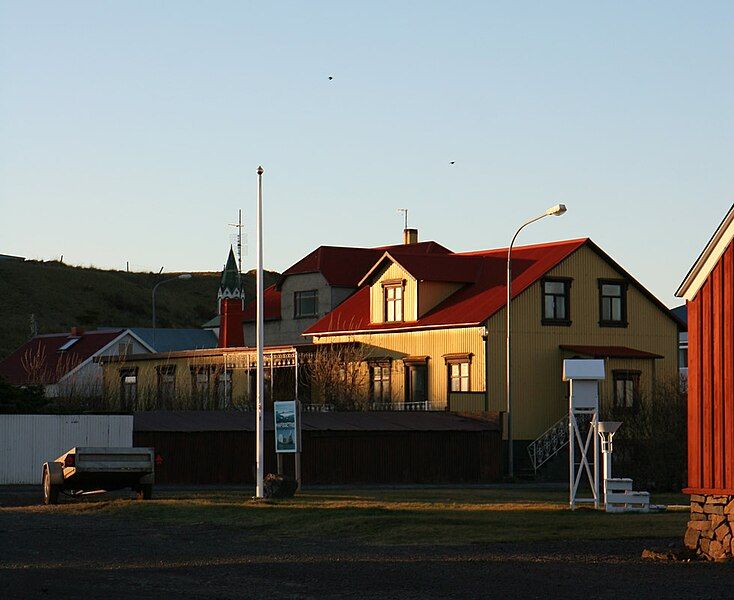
231, 299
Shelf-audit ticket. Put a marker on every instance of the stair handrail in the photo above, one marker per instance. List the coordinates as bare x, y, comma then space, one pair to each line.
549, 443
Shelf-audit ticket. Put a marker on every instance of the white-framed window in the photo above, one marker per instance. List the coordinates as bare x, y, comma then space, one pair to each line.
380, 382
394, 302
459, 376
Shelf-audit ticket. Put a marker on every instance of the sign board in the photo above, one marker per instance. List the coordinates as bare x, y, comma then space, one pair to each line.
286, 426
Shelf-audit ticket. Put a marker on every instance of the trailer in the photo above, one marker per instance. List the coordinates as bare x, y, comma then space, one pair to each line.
91, 470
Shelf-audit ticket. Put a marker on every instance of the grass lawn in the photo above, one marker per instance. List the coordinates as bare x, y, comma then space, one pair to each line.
399, 516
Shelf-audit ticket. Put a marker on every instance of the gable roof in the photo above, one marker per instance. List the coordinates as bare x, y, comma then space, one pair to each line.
609, 351
341, 266
40, 360
172, 340
472, 304
708, 258
344, 266
450, 268
480, 298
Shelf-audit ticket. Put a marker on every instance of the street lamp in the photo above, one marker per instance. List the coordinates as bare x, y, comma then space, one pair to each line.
553, 211
155, 287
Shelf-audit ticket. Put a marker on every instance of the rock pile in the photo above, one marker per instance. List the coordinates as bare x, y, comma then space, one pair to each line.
711, 527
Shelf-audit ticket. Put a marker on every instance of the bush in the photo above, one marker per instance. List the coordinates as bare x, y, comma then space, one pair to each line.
651, 445
278, 486
21, 400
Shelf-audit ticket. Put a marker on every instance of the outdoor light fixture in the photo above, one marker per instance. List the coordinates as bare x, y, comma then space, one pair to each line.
553, 211
556, 211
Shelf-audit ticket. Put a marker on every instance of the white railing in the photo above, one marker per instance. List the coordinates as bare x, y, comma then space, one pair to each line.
552, 441
317, 407
401, 406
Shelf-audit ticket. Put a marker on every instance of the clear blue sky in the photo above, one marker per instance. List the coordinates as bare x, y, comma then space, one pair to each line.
132, 130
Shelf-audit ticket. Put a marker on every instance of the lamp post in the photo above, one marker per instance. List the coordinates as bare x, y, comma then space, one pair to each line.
553, 211
155, 287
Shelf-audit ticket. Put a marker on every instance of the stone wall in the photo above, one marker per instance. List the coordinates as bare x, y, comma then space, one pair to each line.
711, 527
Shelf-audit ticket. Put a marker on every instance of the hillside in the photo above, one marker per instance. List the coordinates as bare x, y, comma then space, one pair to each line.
62, 296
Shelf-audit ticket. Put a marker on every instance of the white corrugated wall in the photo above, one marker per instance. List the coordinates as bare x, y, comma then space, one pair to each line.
28, 441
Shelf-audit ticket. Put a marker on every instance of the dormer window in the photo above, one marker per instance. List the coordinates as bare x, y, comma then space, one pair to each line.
393, 294
69, 343
306, 303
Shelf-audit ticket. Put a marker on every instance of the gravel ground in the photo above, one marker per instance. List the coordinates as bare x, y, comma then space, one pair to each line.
49, 552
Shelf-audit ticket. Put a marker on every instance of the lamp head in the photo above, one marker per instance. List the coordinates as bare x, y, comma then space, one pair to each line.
556, 211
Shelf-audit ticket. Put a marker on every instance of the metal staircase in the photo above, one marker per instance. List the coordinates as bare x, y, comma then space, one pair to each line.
550, 443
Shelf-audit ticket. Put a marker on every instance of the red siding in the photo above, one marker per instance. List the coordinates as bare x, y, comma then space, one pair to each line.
711, 381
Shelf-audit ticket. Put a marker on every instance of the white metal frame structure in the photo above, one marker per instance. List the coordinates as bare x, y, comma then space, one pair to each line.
583, 376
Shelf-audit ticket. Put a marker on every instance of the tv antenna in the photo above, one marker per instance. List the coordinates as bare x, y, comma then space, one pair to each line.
238, 238
405, 214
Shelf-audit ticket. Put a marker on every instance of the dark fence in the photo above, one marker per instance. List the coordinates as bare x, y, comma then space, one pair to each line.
330, 457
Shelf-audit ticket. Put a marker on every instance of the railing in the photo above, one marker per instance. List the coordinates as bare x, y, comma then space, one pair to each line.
317, 407
400, 406
549, 443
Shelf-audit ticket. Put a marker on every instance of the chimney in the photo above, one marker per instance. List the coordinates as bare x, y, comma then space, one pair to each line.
77, 331
410, 236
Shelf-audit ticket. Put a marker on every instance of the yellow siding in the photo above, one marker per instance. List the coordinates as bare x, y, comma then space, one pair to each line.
434, 343
410, 294
431, 293
539, 396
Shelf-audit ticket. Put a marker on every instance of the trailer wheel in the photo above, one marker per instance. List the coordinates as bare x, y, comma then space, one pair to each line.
50, 491
144, 491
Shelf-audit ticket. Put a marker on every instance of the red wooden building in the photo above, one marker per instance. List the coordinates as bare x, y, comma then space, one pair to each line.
709, 293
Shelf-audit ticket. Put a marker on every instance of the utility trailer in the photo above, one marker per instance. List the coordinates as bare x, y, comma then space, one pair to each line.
92, 470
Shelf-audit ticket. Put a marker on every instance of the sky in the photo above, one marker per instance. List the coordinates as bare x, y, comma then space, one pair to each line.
132, 131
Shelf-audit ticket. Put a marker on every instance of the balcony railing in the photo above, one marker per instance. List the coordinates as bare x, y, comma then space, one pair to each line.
405, 406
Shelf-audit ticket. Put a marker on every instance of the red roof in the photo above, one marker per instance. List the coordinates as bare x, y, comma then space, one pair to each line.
40, 360
344, 267
341, 267
271, 304
608, 351
484, 294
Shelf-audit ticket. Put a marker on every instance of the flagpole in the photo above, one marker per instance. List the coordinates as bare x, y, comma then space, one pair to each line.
260, 432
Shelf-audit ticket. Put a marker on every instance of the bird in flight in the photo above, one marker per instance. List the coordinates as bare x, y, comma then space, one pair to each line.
452, 162
330, 78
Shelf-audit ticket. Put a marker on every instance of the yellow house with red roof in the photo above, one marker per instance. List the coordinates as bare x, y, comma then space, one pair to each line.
433, 329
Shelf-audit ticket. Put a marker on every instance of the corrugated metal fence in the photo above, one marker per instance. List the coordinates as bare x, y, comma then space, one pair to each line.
330, 457
28, 441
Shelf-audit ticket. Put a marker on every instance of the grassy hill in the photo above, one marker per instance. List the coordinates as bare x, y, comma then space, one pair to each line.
62, 296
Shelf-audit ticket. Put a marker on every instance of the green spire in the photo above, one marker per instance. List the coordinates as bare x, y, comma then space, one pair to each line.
231, 285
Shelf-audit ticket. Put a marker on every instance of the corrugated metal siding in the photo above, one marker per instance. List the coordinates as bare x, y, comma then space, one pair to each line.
331, 457
431, 293
539, 396
467, 402
433, 343
410, 294
28, 441
711, 381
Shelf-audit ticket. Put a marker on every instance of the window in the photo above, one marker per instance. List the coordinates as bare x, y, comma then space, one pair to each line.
683, 357
459, 377
393, 302
380, 382
200, 381
626, 388
167, 384
69, 343
612, 303
128, 386
224, 389
556, 306
306, 304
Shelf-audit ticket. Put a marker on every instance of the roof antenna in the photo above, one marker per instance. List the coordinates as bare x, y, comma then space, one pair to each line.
238, 238
405, 214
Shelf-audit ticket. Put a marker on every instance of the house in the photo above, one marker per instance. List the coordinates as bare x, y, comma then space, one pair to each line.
681, 313
317, 284
433, 329
708, 289
64, 362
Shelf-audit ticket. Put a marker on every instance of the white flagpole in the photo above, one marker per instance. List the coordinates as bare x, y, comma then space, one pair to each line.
260, 432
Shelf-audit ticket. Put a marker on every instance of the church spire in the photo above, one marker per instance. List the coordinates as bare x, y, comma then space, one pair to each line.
231, 283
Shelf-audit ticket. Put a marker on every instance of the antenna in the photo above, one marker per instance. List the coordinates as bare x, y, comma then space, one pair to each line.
405, 214
238, 238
